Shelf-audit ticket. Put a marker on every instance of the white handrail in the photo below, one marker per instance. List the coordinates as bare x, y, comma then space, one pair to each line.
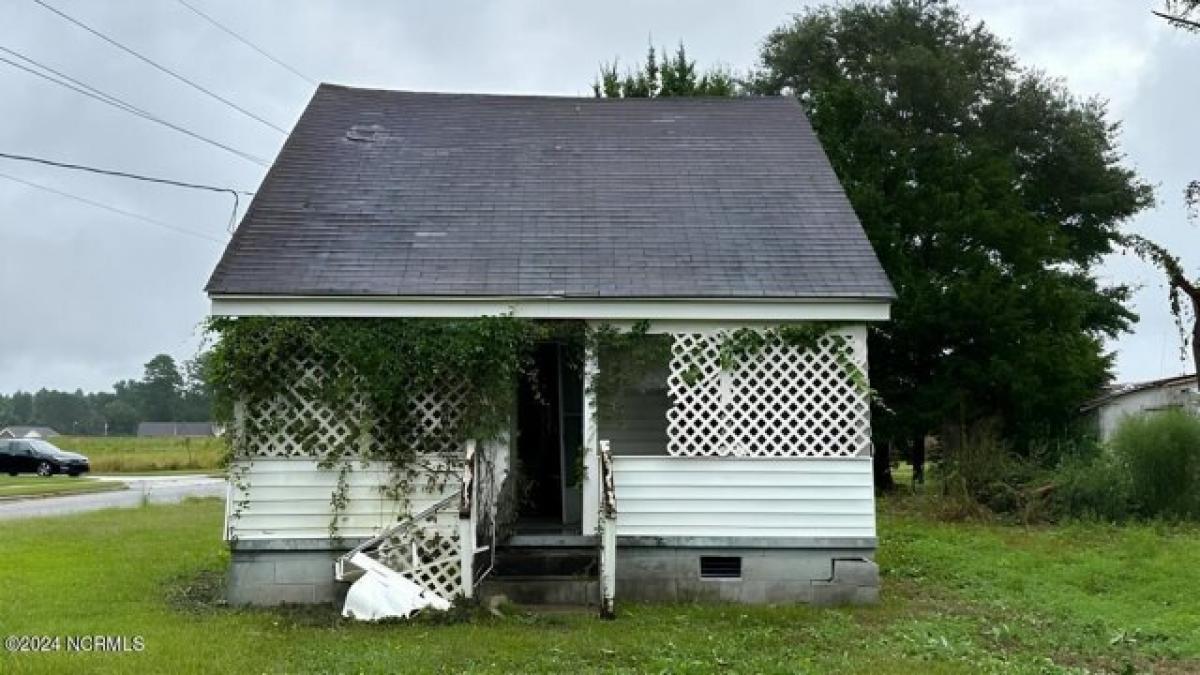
400, 525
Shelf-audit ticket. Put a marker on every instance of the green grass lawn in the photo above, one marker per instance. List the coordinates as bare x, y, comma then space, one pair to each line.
958, 598
126, 454
26, 486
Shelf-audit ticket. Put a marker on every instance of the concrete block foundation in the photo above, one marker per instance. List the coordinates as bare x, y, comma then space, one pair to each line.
767, 575
266, 573
277, 572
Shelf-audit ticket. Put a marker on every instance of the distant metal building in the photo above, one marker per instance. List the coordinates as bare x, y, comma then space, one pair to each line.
1123, 400
181, 429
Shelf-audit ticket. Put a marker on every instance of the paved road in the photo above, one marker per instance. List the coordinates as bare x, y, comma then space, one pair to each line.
157, 489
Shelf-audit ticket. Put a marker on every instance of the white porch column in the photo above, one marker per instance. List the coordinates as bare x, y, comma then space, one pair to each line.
591, 464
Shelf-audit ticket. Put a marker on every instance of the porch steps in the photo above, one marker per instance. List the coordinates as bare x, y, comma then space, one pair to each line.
526, 562
544, 590
563, 574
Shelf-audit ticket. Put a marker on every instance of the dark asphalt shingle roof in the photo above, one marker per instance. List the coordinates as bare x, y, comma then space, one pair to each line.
400, 193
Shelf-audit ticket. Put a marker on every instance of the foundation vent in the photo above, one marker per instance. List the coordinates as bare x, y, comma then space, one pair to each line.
720, 567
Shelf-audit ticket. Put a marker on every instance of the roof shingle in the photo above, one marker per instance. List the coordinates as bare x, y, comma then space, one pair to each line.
411, 194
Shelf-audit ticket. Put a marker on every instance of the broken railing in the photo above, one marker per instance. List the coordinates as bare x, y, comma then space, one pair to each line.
435, 564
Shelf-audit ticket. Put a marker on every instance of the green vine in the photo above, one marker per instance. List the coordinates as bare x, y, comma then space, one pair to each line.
625, 356
373, 369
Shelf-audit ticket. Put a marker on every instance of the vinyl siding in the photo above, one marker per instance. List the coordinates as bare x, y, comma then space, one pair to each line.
744, 497
290, 499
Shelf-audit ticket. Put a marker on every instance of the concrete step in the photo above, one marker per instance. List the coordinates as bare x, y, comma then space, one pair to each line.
543, 590
535, 562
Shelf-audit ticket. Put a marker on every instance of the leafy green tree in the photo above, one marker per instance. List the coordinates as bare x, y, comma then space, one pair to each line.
22, 408
122, 417
676, 76
160, 389
197, 393
60, 410
990, 194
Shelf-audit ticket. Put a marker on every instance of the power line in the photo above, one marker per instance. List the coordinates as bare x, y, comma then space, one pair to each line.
248, 43
124, 174
236, 194
106, 207
160, 67
91, 92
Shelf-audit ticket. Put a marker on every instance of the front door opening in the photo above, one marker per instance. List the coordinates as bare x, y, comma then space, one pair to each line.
549, 441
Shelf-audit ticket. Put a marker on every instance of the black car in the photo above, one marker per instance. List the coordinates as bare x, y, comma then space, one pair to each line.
33, 455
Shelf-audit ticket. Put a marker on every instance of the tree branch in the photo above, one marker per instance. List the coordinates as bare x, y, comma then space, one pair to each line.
1177, 20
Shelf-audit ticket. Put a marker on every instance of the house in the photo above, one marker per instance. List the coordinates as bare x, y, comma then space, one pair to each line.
1123, 400
27, 432
179, 429
745, 479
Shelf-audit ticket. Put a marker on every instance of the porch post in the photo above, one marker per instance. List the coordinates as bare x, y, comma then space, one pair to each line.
467, 509
591, 465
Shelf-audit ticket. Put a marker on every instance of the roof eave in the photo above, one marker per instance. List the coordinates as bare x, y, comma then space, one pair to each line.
826, 308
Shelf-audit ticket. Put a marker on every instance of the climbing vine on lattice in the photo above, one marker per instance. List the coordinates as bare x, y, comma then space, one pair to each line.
401, 391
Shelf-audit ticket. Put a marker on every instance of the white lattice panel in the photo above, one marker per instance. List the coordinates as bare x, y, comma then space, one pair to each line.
782, 402
427, 556
296, 423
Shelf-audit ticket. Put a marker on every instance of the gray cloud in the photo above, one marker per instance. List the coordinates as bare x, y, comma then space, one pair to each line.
87, 296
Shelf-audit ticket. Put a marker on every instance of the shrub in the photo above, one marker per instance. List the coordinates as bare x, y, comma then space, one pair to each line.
977, 469
1161, 454
1092, 486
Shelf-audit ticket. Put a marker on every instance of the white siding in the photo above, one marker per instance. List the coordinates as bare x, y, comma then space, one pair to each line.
744, 497
291, 499
1113, 412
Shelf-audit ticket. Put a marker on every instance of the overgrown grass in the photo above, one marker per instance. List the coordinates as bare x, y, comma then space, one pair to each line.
125, 454
958, 598
1161, 453
25, 486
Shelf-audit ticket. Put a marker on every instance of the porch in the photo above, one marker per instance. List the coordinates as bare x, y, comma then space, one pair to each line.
746, 482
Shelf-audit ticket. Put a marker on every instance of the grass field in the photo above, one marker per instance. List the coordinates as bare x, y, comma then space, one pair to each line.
125, 454
25, 486
958, 598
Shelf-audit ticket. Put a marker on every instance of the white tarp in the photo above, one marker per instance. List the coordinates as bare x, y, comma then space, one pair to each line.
383, 593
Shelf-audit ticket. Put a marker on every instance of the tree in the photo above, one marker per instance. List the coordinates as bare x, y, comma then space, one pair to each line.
60, 410
675, 77
989, 194
1183, 14
121, 416
22, 408
160, 389
197, 394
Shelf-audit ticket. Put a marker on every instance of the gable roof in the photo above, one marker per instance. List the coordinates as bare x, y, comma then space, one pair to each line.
1121, 390
389, 193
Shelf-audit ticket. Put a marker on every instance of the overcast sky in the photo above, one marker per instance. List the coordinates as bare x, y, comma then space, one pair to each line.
87, 296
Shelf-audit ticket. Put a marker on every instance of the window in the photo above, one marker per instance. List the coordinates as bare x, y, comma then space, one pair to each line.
720, 567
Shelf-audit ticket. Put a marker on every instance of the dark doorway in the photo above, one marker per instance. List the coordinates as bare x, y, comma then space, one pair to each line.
549, 438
